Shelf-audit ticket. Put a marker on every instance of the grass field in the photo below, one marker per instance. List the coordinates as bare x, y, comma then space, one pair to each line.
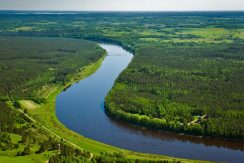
28, 104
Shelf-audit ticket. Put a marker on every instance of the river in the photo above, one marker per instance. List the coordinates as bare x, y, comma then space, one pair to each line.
81, 109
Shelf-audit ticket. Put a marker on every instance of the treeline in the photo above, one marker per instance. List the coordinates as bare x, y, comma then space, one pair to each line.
104, 157
196, 90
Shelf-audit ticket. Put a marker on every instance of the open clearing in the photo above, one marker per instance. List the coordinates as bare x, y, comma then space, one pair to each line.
29, 104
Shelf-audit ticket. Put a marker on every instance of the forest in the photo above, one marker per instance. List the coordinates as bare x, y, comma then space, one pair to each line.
186, 76
196, 89
31, 69
27, 64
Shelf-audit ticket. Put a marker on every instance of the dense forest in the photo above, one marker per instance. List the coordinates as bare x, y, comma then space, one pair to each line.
186, 76
28, 64
30, 68
194, 89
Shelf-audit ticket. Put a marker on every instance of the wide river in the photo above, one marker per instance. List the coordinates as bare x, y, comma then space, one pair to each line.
81, 109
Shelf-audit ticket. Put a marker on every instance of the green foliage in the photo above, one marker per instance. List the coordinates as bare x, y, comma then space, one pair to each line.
105, 158
5, 141
27, 151
30, 63
169, 86
49, 144
9, 118
186, 65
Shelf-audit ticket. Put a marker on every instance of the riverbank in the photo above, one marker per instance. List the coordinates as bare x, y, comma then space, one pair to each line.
46, 116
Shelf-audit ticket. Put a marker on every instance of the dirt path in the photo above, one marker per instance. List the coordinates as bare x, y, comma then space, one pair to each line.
50, 131
200, 118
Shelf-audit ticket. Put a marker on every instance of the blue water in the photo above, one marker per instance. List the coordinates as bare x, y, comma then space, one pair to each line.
81, 109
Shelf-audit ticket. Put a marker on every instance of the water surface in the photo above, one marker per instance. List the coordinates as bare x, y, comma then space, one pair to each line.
81, 109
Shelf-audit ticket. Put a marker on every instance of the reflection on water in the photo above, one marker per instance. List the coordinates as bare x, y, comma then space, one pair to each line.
181, 137
81, 109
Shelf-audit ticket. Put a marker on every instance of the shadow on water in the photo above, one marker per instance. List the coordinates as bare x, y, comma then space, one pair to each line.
170, 136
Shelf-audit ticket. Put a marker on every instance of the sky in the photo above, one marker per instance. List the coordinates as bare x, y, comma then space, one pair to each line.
122, 5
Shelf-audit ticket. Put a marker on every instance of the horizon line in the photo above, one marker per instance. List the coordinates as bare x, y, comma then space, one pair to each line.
41, 10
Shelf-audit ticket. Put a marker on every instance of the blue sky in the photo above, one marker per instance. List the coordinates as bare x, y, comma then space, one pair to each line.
122, 5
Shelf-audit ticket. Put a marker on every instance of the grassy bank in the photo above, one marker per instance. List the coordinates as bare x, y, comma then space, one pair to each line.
46, 116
